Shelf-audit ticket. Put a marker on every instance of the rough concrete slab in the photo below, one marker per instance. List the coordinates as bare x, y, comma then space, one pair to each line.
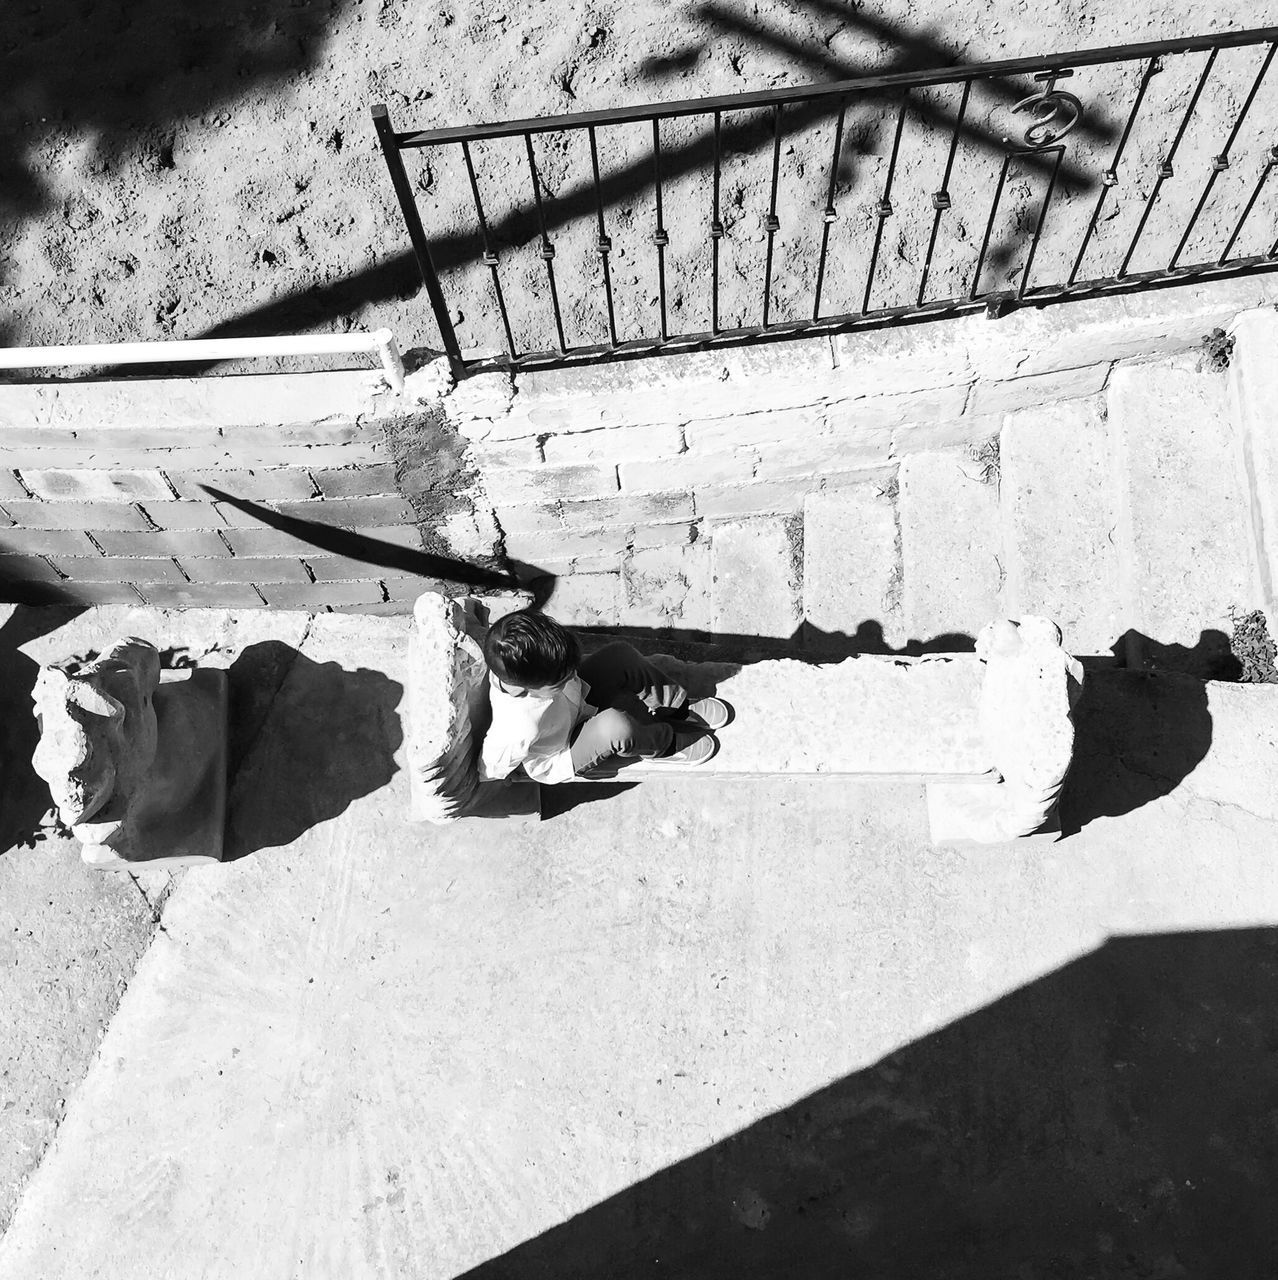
1253, 384
952, 559
1183, 531
383, 1051
756, 567
851, 566
1057, 503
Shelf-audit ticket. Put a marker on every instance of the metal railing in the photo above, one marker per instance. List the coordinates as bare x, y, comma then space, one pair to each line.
950, 144
382, 342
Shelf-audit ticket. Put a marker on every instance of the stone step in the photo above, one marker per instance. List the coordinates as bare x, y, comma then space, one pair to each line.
756, 572
1057, 508
1184, 527
851, 570
951, 553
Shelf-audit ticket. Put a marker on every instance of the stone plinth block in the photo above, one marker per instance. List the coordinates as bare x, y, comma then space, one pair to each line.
1027, 697
1253, 383
448, 709
1057, 504
851, 563
135, 758
865, 715
1184, 516
950, 545
756, 567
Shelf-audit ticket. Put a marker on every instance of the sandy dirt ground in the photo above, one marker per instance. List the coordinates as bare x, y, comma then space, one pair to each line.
174, 170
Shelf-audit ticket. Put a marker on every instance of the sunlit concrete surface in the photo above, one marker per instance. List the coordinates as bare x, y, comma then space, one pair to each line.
590, 1045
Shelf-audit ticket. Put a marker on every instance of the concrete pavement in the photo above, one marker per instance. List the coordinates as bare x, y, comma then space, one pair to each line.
367, 1048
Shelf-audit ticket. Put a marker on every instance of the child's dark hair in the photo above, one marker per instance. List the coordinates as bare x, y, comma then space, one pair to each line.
528, 648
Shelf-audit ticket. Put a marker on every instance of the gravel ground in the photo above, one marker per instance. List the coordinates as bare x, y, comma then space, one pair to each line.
172, 170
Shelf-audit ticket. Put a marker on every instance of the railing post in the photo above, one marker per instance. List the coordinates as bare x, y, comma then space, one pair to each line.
421, 247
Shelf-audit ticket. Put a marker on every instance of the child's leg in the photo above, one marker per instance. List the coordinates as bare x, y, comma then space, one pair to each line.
616, 731
618, 669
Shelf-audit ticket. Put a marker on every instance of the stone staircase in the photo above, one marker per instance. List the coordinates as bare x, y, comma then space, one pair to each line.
1137, 518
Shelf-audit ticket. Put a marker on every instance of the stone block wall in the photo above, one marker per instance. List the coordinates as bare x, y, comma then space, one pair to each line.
616, 476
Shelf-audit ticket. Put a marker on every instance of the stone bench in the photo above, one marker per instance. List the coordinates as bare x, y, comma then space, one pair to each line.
990, 732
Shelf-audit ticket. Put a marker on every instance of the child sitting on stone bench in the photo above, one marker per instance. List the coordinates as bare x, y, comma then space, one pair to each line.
565, 717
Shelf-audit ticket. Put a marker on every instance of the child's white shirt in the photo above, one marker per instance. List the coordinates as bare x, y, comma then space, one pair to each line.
534, 730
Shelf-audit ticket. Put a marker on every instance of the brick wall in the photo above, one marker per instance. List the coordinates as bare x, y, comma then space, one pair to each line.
101, 498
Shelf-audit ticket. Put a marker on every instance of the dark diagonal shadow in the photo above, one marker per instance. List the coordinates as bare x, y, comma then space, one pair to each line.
372, 551
1105, 1120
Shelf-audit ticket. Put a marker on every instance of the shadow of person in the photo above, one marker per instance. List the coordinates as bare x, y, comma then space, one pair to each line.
1101, 1121
307, 739
24, 795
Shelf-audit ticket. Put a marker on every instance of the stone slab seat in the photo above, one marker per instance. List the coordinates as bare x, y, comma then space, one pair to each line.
885, 717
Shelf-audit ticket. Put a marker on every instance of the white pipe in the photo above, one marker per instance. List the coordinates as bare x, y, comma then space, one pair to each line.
111, 353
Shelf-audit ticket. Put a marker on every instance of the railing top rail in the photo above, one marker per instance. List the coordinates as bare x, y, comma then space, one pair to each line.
836, 89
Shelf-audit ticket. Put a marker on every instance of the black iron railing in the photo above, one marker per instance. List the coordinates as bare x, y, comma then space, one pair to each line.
929, 145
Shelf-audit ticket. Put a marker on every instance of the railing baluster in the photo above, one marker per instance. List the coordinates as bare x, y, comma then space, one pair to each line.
1165, 166
547, 249
490, 258
1255, 195
1110, 177
389, 141
771, 225
605, 244
1042, 218
659, 236
885, 202
907, 93
1220, 162
989, 226
941, 197
716, 229
830, 213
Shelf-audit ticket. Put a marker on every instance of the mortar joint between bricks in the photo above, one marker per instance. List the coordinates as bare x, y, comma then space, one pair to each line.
146, 515
63, 577
967, 398
17, 475
262, 598
224, 541
100, 548
177, 565
164, 475
315, 486
310, 573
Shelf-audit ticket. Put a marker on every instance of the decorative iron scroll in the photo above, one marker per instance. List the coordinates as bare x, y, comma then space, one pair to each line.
1045, 106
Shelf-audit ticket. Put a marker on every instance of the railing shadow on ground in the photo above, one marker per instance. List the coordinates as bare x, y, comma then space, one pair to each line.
1101, 1120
